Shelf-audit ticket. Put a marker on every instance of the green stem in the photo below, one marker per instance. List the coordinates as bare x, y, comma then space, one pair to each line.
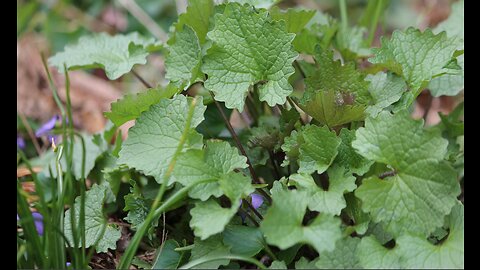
206, 259
132, 248
270, 252
343, 15
135, 242
374, 22
185, 248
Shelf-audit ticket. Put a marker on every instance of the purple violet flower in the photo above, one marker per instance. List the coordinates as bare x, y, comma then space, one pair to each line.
257, 200
20, 142
38, 219
47, 127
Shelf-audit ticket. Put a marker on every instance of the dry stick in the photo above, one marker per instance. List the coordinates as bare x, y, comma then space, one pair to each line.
249, 217
242, 150
427, 108
144, 18
387, 174
141, 79
253, 209
30, 133
274, 164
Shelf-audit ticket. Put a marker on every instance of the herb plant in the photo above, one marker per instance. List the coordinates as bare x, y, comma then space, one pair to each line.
328, 169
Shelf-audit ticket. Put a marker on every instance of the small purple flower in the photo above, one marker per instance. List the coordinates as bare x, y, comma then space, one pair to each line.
68, 264
47, 127
38, 219
257, 200
20, 142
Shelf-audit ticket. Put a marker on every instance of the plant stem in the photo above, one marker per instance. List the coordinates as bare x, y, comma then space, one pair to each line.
374, 22
249, 217
141, 79
274, 164
343, 15
249, 205
269, 252
427, 108
240, 147
139, 14
205, 259
387, 174
157, 207
30, 133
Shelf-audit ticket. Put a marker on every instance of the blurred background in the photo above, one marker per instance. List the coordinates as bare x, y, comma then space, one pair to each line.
46, 26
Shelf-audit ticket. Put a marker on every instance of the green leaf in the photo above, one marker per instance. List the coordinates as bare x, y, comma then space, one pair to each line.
137, 206
454, 25
212, 246
385, 89
278, 265
343, 257
116, 54
182, 64
213, 126
449, 84
248, 48
347, 157
167, 257
215, 162
332, 75
351, 42
418, 252
416, 56
282, 225
152, 142
329, 200
321, 31
243, 240
354, 211
423, 189
94, 221
295, 19
316, 148
197, 17
373, 255
132, 105
209, 218
258, 3
303, 263
335, 94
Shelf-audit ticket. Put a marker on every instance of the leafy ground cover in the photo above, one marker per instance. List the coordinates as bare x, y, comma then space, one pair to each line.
281, 138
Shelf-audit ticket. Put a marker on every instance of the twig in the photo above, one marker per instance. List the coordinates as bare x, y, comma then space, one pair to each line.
240, 147
141, 79
253, 209
387, 174
274, 164
249, 217
30, 133
144, 18
427, 108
